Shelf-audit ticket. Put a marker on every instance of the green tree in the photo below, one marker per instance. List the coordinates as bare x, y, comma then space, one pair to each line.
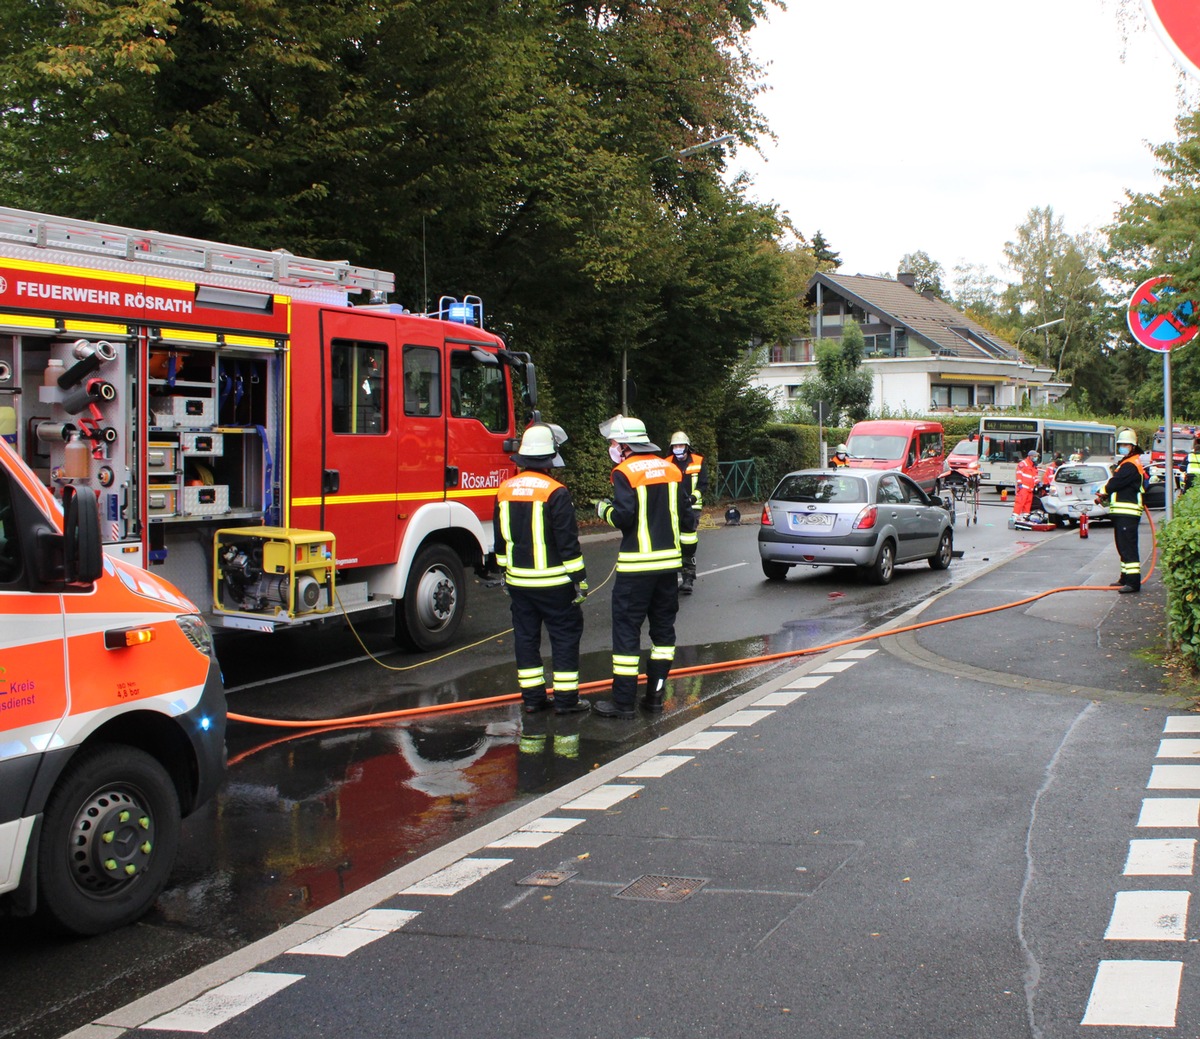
975, 290
527, 153
841, 389
927, 272
827, 259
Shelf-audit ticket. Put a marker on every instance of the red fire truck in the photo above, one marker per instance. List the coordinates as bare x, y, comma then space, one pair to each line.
272, 450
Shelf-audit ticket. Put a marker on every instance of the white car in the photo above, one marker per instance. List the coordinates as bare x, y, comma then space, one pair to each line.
1074, 491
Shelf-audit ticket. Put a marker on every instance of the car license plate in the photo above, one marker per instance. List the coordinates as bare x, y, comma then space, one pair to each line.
810, 520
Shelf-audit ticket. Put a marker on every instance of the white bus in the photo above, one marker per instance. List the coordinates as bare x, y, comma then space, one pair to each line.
1003, 442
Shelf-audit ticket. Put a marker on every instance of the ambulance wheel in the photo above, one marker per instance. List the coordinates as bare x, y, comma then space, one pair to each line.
435, 599
109, 837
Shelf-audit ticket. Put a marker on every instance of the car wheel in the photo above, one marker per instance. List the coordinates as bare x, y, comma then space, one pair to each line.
775, 571
880, 572
109, 837
945, 552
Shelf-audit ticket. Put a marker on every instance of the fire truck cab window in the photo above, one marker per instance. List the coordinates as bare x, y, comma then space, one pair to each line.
422, 381
478, 391
359, 393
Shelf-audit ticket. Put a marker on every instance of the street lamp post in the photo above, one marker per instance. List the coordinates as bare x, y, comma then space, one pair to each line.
683, 153
1038, 328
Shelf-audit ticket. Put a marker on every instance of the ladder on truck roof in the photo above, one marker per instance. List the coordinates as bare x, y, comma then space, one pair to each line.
107, 240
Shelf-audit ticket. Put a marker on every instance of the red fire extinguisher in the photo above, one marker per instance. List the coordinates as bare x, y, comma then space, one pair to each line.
1083, 524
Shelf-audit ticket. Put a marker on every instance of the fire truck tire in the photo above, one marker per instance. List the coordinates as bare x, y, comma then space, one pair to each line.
435, 599
109, 837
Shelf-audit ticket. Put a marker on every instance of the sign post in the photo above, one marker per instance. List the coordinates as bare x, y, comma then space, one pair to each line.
1162, 333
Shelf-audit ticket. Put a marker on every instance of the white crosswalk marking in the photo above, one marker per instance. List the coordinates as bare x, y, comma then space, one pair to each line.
1170, 811
602, 797
525, 839
1149, 916
833, 667
703, 740
657, 766
857, 654
354, 934
455, 877
1174, 777
808, 681
1160, 858
1179, 748
204, 1013
1182, 723
780, 699
744, 718
551, 824
1135, 993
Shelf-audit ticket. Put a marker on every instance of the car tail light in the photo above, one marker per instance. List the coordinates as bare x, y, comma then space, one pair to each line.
866, 518
765, 519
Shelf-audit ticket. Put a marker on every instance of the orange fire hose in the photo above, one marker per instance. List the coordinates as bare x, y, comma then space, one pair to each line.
314, 725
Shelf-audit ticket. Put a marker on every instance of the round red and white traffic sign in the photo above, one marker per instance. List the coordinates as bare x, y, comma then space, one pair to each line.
1159, 332
1178, 24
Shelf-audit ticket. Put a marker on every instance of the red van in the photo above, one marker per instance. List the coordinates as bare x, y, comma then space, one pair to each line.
916, 448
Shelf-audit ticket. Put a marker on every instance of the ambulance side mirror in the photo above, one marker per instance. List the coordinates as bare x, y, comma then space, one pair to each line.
83, 560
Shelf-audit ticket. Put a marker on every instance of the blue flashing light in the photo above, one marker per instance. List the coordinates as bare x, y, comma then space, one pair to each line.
463, 313
205, 723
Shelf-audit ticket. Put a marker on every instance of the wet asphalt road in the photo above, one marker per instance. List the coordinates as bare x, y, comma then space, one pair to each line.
307, 816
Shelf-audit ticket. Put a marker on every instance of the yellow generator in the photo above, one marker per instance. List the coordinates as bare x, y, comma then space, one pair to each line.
276, 572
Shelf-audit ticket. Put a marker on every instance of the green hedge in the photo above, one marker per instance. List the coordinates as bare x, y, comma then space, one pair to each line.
1179, 568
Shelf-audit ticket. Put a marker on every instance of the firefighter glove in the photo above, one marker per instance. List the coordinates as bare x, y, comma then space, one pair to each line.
603, 507
581, 590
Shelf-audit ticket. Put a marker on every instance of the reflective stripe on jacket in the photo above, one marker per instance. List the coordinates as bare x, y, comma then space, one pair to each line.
537, 534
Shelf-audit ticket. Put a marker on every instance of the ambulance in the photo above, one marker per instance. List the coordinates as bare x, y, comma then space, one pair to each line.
112, 714
266, 432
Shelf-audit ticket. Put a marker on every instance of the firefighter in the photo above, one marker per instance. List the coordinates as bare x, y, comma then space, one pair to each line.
652, 508
537, 544
1124, 499
695, 480
841, 456
1027, 480
1193, 465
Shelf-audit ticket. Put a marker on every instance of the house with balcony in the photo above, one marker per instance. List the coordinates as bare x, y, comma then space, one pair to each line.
923, 355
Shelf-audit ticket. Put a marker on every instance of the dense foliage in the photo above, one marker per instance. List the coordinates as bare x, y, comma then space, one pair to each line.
528, 153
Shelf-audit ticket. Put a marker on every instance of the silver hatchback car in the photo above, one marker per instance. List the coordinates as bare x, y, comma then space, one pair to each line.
863, 518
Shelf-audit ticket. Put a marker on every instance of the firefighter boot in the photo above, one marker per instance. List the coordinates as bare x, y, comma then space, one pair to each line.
656, 687
687, 579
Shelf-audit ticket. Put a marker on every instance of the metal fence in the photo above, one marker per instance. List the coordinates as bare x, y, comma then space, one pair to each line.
738, 480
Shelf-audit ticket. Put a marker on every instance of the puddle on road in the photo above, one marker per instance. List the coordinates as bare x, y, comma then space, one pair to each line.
306, 817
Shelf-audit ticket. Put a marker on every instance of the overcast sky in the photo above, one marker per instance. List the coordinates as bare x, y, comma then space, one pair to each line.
936, 125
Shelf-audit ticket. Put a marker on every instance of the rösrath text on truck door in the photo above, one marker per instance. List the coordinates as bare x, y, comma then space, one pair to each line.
112, 714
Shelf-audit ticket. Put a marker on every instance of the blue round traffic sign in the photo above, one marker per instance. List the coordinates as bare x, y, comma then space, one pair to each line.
1156, 331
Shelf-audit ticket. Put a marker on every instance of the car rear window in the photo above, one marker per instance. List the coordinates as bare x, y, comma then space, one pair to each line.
966, 447
820, 487
1080, 474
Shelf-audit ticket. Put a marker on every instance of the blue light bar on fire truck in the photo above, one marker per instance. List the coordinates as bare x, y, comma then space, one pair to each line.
467, 311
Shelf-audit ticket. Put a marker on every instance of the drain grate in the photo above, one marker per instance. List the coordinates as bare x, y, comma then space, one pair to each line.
547, 878
654, 887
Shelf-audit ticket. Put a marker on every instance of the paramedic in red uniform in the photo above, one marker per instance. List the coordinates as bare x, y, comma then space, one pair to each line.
1123, 496
1027, 480
537, 544
651, 506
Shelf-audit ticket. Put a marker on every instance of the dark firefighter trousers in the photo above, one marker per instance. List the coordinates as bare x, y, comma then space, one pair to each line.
637, 598
1125, 535
563, 619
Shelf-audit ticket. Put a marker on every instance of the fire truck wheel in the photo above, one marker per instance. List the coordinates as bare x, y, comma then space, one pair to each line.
435, 599
109, 837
